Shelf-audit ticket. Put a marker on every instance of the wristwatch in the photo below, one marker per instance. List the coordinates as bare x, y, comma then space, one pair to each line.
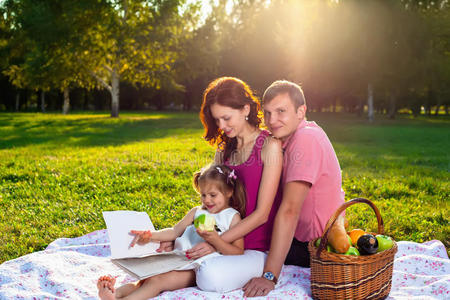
270, 276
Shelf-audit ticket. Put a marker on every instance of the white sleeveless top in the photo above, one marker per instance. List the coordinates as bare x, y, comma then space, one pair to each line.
190, 238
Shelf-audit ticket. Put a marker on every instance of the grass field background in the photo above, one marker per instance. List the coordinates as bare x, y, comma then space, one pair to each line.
57, 173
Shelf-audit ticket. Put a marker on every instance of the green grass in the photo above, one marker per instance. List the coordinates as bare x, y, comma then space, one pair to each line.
57, 173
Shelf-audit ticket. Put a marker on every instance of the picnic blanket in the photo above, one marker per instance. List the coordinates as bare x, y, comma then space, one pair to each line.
69, 268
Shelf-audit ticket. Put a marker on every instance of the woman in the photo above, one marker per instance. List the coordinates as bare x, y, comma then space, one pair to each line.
232, 117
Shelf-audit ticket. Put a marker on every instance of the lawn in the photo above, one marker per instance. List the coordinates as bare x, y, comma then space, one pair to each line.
57, 173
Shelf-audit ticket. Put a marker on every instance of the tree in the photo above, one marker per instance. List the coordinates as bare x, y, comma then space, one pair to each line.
436, 23
92, 44
199, 56
41, 60
132, 41
248, 43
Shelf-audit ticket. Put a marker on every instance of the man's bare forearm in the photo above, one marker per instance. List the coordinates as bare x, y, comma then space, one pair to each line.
285, 225
283, 233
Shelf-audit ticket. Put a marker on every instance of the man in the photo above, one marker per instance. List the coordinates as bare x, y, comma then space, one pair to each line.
311, 181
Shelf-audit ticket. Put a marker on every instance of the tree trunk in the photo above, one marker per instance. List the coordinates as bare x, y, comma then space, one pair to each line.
392, 106
187, 103
43, 101
66, 105
428, 108
360, 107
438, 105
85, 100
446, 109
17, 101
115, 79
370, 102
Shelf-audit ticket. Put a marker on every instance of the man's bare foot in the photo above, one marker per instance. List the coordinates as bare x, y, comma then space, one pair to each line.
105, 285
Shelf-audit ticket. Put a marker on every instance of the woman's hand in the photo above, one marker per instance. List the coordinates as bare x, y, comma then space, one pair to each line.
141, 237
165, 247
200, 250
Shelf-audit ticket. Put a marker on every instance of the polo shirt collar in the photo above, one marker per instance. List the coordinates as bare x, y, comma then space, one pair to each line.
288, 140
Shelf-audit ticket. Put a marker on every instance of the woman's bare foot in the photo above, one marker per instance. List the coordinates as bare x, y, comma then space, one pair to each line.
105, 285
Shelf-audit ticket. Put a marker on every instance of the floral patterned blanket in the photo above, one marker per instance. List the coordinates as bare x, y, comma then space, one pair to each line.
69, 268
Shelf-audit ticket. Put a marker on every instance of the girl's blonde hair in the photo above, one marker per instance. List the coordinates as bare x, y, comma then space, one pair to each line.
227, 180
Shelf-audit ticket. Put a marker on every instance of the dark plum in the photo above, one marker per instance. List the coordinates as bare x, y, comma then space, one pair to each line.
367, 244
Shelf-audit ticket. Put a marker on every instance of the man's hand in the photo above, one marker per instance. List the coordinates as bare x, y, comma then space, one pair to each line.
165, 247
200, 250
257, 287
141, 237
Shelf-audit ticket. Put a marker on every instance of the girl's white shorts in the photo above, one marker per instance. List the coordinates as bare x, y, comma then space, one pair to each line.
225, 273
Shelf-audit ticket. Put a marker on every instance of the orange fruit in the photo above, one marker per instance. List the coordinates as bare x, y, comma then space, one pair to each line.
355, 234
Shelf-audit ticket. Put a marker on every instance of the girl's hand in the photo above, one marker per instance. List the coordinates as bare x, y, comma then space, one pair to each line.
141, 237
209, 236
165, 247
200, 250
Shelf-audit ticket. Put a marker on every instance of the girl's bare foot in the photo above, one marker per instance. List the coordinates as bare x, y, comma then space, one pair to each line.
105, 285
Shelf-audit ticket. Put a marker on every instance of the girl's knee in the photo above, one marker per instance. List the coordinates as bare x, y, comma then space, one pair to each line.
228, 273
208, 278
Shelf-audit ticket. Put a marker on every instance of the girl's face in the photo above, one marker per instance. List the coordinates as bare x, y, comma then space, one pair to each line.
212, 198
231, 121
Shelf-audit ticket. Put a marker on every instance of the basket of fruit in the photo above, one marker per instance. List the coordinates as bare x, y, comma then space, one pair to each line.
353, 265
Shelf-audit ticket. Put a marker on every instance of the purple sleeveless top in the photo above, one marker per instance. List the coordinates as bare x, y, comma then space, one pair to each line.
250, 173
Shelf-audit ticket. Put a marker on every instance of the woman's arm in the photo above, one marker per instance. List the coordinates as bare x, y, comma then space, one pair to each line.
225, 248
272, 157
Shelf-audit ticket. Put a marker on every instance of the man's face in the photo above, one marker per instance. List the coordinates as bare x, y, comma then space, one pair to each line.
281, 117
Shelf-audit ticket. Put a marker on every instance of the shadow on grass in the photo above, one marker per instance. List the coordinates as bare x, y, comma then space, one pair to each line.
91, 130
399, 142
385, 143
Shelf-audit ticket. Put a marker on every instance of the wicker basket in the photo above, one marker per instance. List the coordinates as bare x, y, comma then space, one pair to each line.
337, 276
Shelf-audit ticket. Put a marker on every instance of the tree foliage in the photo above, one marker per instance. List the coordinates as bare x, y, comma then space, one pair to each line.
91, 44
166, 51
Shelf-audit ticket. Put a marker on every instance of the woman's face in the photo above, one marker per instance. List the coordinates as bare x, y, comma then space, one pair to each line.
231, 121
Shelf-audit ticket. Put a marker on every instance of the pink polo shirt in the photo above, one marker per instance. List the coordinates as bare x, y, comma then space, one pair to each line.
309, 156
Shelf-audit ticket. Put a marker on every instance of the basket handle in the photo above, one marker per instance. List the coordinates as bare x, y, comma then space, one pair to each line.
332, 220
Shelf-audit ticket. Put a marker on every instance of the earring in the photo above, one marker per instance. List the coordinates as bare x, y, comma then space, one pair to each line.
246, 118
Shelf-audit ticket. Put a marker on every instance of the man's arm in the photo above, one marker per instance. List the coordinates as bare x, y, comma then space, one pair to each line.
294, 194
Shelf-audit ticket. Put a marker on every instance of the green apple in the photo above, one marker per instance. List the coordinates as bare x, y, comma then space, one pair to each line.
384, 242
352, 251
205, 222
318, 242
330, 248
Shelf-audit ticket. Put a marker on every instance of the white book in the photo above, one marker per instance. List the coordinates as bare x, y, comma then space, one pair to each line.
141, 261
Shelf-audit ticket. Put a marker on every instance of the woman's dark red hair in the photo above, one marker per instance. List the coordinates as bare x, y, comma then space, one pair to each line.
234, 93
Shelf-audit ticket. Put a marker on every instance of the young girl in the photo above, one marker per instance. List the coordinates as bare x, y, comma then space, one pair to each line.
222, 196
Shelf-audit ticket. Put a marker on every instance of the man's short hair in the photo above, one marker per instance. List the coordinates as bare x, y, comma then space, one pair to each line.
280, 87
